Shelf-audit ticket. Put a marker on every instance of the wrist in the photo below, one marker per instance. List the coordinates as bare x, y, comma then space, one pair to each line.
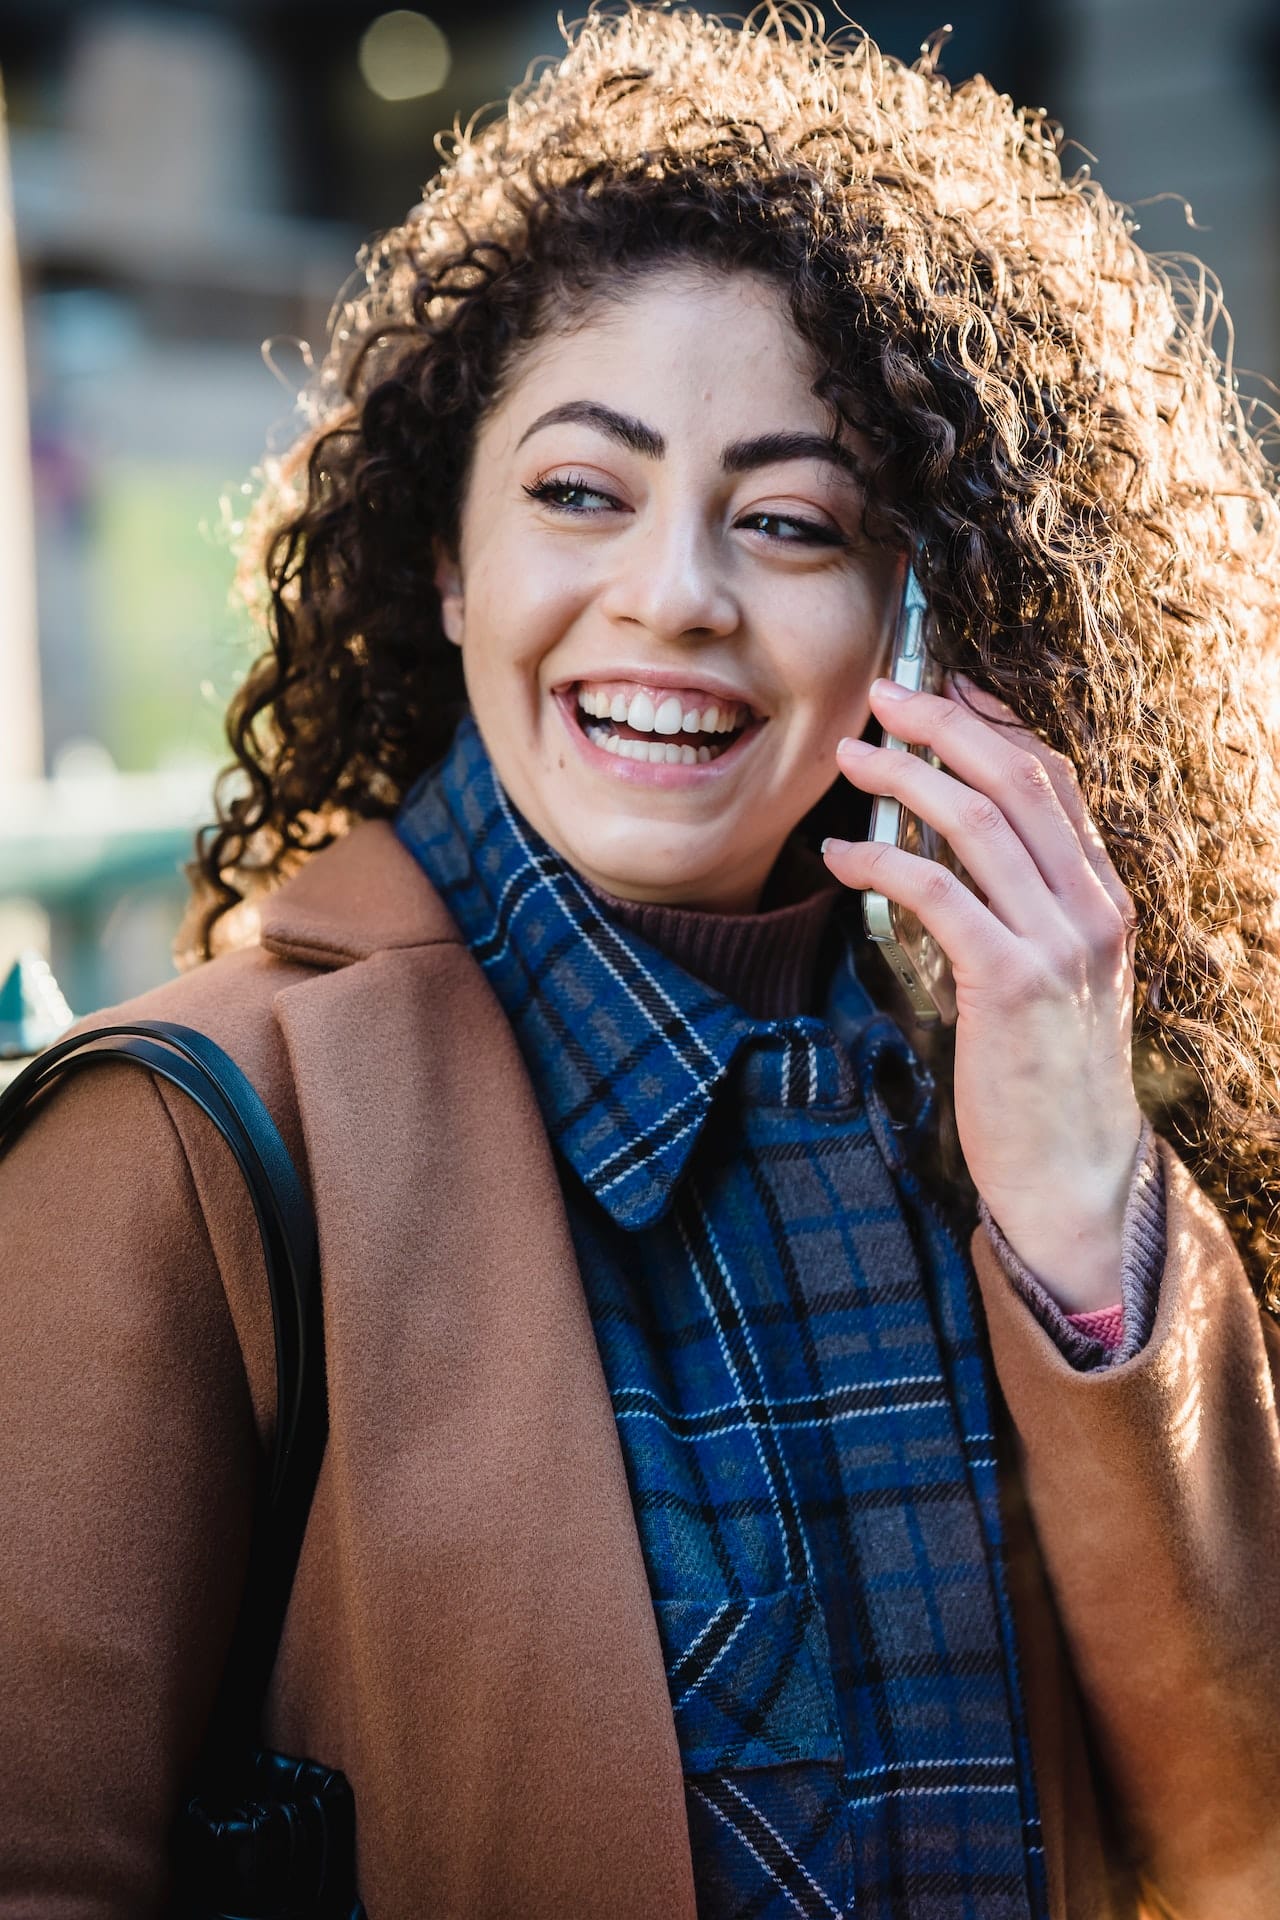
1080, 1271
1074, 1248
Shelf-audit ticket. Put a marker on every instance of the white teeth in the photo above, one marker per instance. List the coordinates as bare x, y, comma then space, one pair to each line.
669, 717
653, 752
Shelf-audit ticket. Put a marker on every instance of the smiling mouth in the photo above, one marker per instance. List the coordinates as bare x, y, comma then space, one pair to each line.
718, 729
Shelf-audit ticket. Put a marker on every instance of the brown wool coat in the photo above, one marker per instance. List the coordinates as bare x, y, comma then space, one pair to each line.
470, 1635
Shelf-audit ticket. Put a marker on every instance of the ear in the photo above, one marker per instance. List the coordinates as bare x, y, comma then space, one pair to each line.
448, 578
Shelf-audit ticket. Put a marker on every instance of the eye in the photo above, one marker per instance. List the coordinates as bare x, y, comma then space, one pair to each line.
546, 490
809, 530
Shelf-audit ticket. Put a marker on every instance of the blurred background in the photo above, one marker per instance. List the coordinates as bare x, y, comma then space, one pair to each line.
189, 178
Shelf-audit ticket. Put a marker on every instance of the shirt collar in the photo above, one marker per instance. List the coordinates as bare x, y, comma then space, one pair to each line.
625, 1048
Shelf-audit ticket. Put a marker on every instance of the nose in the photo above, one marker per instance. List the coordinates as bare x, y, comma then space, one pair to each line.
671, 579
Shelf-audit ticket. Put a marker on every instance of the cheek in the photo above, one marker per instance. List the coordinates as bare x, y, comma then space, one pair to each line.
526, 601
834, 666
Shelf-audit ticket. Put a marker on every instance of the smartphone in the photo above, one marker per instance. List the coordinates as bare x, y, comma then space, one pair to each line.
909, 948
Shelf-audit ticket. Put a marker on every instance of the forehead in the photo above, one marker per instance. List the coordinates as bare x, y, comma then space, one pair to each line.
683, 342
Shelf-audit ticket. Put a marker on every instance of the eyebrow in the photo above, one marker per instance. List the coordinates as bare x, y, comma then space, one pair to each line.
740, 456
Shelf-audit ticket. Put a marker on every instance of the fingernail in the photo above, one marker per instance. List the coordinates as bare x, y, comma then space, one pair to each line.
835, 846
890, 690
851, 746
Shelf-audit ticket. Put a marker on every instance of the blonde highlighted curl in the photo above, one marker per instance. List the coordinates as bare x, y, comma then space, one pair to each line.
1049, 419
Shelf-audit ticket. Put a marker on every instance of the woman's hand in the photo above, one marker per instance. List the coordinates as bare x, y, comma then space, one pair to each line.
1045, 1107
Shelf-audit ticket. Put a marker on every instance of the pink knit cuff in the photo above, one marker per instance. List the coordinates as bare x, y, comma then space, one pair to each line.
1104, 1323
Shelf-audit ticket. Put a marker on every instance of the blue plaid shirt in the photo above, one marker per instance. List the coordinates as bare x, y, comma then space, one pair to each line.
800, 1390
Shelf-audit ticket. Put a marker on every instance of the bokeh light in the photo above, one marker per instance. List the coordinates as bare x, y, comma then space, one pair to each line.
404, 55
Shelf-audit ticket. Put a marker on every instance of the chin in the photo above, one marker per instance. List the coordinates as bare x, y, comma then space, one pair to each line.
649, 884
673, 864
657, 883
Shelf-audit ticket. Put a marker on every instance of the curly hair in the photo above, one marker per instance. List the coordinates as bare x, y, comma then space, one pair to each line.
1050, 424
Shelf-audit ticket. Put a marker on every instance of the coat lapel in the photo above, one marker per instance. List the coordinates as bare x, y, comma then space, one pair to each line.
471, 1634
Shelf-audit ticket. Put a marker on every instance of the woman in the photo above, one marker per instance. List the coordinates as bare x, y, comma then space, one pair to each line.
674, 1546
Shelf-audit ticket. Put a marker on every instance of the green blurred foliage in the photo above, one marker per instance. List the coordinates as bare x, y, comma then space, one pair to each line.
171, 649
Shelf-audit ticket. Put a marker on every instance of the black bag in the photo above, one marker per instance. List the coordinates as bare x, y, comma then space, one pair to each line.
262, 1836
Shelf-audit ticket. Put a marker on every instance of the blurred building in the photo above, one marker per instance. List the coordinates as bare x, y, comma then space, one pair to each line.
1180, 104
190, 180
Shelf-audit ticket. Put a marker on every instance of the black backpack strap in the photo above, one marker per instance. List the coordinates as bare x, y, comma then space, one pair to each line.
196, 1064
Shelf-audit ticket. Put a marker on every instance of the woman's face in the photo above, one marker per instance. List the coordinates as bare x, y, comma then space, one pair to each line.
667, 614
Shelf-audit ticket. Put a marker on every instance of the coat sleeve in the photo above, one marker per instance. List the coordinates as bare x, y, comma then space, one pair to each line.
1155, 1490
128, 1460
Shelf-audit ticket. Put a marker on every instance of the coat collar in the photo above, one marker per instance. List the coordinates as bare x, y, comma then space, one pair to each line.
363, 895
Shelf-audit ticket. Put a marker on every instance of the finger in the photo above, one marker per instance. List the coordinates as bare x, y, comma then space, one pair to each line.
976, 943
972, 825
1066, 785
989, 758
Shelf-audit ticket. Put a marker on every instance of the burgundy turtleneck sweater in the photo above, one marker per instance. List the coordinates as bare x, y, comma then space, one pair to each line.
765, 962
